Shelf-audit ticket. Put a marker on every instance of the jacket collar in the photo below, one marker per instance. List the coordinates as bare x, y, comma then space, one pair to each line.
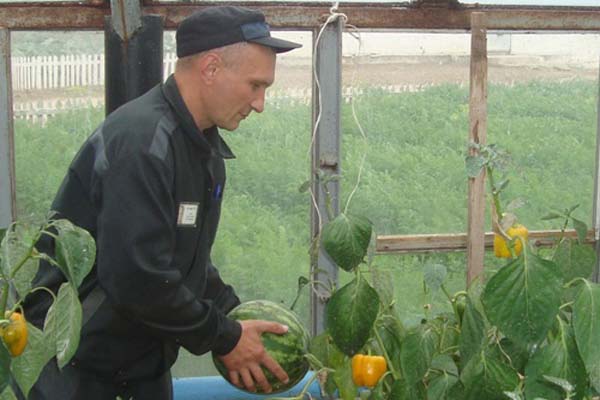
209, 140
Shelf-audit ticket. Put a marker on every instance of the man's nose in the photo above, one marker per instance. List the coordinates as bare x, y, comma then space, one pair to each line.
258, 104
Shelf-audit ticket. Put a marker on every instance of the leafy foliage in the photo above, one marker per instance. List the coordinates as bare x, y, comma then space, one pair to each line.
351, 313
521, 298
516, 339
586, 323
346, 239
19, 259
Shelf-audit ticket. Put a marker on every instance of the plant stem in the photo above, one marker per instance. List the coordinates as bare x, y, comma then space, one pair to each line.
452, 302
395, 373
446, 293
498, 211
328, 202
495, 194
13, 272
306, 386
45, 289
4, 298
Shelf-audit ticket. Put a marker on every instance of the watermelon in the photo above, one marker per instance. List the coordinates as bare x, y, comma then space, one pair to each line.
288, 349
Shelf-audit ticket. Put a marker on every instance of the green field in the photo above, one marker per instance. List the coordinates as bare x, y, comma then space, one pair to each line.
414, 178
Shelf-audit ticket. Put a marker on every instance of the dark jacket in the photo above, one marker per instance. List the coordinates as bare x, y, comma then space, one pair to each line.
148, 186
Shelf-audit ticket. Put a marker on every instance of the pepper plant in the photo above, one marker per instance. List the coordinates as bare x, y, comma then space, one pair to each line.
531, 332
25, 349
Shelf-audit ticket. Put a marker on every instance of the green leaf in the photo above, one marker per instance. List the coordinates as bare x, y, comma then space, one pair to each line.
472, 334
323, 348
434, 275
28, 366
549, 360
523, 298
516, 356
417, 352
445, 363
8, 394
2, 233
513, 395
574, 259
552, 215
383, 283
474, 165
63, 324
24, 276
18, 241
346, 240
5, 361
447, 331
391, 331
403, 390
581, 229
350, 314
562, 383
342, 377
571, 209
500, 186
487, 378
456, 392
304, 187
377, 393
440, 386
75, 251
586, 323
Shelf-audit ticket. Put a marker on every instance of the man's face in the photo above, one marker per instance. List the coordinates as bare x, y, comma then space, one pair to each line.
240, 88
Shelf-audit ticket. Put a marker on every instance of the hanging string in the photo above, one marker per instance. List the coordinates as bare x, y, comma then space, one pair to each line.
333, 16
355, 33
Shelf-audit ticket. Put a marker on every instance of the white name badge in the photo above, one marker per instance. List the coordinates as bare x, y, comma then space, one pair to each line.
188, 212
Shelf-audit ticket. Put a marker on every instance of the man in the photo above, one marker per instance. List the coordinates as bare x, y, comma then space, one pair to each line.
148, 186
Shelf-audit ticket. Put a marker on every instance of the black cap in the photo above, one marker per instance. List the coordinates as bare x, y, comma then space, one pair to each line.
220, 26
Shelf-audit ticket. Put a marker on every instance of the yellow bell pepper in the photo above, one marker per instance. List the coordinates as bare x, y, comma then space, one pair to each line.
14, 333
501, 249
366, 370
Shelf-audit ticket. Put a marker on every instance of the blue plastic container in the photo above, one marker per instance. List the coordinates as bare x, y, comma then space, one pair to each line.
217, 388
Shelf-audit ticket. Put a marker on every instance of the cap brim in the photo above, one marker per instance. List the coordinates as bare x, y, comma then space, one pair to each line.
279, 45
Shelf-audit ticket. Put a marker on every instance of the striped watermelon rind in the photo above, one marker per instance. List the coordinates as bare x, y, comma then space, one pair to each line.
288, 349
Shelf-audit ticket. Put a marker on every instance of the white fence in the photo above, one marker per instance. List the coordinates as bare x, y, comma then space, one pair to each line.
40, 110
52, 72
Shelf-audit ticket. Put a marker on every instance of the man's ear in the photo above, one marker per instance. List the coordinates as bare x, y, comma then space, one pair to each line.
209, 66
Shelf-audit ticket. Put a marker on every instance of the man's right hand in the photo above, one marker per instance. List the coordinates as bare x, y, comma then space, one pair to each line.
245, 360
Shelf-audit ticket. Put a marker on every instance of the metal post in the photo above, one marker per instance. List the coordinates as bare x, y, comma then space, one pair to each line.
133, 53
326, 152
596, 203
7, 163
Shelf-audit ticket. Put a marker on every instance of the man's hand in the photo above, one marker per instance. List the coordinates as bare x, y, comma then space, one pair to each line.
245, 360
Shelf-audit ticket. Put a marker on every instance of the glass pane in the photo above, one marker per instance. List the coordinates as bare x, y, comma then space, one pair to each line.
542, 107
414, 299
499, 2
263, 238
571, 3
58, 100
409, 93
35, 1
